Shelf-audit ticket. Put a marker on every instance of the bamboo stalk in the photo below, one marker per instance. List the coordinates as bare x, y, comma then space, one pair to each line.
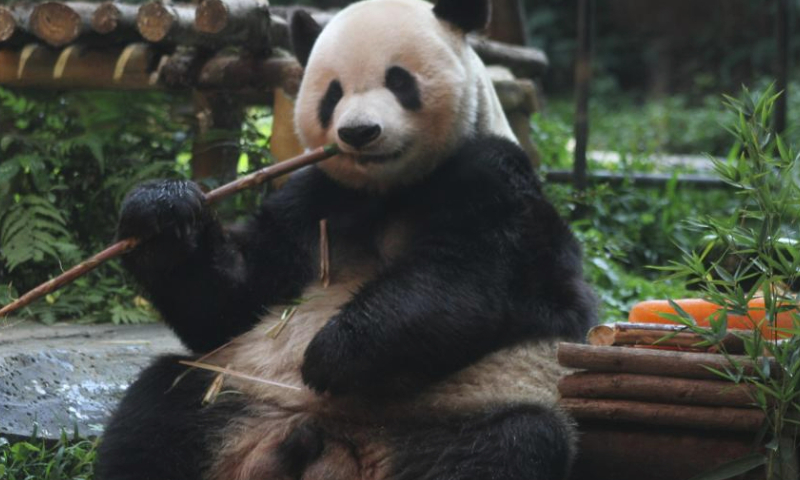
126, 245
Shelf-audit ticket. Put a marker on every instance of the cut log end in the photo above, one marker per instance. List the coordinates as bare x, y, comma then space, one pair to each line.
211, 16
55, 23
154, 21
601, 335
7, 24
106, 18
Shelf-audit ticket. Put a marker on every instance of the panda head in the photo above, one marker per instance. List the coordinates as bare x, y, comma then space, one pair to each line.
395, 85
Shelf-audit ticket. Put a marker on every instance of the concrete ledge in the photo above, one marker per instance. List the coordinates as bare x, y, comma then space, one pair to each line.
68, 376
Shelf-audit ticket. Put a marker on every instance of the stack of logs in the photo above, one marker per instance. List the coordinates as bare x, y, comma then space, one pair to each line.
116, 45
649, 405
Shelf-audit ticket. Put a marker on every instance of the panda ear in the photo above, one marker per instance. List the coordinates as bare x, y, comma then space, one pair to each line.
468, 15
304, 31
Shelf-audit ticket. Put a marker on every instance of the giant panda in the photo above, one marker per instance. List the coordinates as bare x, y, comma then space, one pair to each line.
428, 352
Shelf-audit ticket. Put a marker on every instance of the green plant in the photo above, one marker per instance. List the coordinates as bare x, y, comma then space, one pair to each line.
66, 162
760, 237
66, 459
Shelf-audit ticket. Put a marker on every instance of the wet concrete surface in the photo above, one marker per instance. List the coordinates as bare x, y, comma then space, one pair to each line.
71, 376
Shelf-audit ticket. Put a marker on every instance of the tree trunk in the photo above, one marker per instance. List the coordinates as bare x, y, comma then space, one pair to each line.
659, 335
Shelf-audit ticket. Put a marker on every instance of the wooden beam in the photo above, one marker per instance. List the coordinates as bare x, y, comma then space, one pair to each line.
651, 388
36, 66
648, 361
633, 452
726, 419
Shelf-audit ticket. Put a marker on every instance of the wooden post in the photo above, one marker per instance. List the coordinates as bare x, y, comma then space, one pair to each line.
782, 16
215, 152
583, 73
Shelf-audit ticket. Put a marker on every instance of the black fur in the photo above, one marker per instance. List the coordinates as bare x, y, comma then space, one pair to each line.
328, 103
468, 15
304, 31
404, 87
489, 263
161, 432
508, 443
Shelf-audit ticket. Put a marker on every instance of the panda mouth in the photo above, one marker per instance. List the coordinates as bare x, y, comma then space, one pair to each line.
364, 159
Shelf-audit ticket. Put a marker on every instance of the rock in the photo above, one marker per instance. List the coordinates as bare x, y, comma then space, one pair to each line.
71, 376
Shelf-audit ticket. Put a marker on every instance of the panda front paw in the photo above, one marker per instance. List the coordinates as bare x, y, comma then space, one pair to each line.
334, 362
170, 214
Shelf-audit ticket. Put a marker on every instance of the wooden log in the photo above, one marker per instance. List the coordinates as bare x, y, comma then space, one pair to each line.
58, 23
244, 23
114, 17
727, 419
8, 23
650, 388
660, 335
624, 452
160, 22
648, 362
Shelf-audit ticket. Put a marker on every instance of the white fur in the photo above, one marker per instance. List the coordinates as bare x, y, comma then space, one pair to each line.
356, 48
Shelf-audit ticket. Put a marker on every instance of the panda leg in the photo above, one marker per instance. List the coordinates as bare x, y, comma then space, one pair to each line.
511, 443
160, 431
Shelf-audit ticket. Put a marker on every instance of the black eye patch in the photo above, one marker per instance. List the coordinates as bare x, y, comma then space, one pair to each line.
328, 103
403, 85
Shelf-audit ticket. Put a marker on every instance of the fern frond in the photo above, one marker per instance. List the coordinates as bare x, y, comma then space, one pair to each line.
31, 230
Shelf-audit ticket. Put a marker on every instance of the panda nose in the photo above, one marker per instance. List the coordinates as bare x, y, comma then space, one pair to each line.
359, 135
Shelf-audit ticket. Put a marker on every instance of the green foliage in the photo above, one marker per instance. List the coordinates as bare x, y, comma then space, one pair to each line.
66, 162
67, 459
760, 239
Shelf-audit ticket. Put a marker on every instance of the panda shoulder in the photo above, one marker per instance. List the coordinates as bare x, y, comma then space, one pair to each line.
486, 163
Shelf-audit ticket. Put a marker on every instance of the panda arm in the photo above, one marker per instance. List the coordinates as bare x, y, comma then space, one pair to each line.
455, 296
214, 284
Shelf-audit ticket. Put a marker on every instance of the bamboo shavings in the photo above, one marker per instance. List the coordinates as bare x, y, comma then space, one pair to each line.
213, 390
235, 374
278, 327
324, 254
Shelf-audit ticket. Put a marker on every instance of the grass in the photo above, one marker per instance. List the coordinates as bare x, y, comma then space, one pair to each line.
69, 458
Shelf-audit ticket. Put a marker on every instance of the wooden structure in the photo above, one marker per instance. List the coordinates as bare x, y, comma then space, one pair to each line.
655, 413
227, 53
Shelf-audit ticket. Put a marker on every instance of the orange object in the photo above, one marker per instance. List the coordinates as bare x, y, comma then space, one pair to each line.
650, 311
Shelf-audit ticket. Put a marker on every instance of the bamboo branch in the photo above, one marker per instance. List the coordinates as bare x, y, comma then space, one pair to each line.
126, 245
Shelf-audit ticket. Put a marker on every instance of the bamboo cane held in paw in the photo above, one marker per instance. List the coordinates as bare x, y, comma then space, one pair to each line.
128, 244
